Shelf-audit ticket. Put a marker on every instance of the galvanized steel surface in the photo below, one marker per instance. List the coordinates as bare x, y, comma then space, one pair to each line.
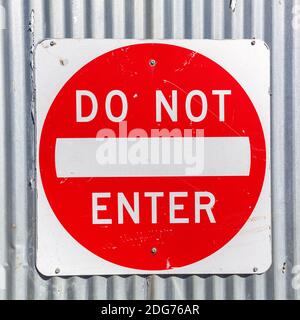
29, 21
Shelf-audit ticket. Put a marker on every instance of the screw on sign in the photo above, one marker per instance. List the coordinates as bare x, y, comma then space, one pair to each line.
152, 156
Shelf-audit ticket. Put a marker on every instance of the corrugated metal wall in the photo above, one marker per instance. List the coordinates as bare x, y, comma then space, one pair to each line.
28, 22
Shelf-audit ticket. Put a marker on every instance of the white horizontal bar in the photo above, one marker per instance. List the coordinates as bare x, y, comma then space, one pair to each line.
178, 156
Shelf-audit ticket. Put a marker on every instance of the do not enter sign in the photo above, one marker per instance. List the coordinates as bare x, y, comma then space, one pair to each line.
153, 157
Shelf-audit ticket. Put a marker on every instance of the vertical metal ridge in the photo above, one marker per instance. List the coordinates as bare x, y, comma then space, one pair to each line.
268, 37
28, 16
208, 7
99, 288
8, 149
129, 19
118, 19
34, 27
137, 289
228, 19
289, 148
217, 16
3, 163
278, 157
178, 20
118, 287
248, 18
238, 288
18, 152
168, 19
158, 25
196, 288
295, 268
179, 287
132, 283
237, 21
158, 287
197, 17
77, 18
257, 23
97, 18
55, 18
219, 287
140, 14
59, 288
78, 288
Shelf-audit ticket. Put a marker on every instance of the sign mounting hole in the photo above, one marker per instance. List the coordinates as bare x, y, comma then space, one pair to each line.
152, 62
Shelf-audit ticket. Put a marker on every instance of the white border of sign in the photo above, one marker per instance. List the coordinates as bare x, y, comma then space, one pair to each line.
56, 60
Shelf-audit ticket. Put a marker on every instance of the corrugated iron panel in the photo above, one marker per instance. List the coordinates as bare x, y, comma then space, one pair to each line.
28, 22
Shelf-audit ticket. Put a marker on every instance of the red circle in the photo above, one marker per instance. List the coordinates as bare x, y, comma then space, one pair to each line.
129, 244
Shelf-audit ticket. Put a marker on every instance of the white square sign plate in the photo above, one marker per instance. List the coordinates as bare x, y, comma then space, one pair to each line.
153, 157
